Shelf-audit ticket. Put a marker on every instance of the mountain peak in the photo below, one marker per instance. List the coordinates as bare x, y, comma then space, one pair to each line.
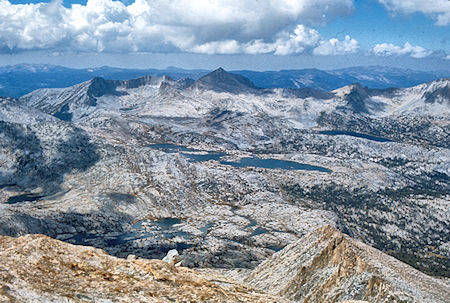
438, 91
356, 98
222, 74
223, 81
219, 71
329, 266
99, 87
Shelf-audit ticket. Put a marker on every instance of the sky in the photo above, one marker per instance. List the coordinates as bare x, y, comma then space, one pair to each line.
234, 34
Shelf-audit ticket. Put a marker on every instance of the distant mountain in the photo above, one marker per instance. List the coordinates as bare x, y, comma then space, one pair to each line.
372, 76
18, 80
81, 99
220, 80
312, 78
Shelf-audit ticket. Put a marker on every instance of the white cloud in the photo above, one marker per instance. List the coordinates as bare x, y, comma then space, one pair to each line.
389, 49
302, 39
296, 42
205, 26
439, 10
337, 47
217, 47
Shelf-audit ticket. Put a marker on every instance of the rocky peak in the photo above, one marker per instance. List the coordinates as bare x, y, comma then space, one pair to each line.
328, 266
222, 81
438, 91
99, 87
146, 80
356, 99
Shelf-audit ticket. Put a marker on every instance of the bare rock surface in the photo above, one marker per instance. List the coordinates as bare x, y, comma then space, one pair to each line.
36, 268
328, 266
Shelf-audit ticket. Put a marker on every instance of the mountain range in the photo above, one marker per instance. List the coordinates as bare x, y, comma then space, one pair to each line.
18, 80
311, 195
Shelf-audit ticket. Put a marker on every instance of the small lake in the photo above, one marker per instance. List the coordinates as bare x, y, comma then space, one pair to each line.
353, 134
23, 198
195, 155
156, 229
274, 164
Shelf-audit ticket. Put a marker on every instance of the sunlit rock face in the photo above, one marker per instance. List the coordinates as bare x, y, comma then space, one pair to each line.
328, 266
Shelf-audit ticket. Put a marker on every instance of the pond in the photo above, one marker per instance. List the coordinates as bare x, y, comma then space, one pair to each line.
23, 198
354, 134
162, 228
156, 229
274, 164
195, 155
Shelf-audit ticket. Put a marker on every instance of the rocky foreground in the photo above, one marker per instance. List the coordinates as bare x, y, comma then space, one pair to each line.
36, 268
323, 266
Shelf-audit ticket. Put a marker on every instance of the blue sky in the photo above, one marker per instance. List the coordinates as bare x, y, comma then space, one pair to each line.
252, 34
371, 23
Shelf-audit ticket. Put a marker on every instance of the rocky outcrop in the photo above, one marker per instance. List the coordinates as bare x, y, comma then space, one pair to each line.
36, 268
438, 91
328, 266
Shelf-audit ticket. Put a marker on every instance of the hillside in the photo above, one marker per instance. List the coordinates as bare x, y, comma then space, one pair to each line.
328, 266
35, 268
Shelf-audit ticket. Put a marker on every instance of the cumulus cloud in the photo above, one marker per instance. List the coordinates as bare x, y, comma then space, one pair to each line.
439, 10
337, 47
285, 43
389, 49
302, 39
204, 26
296, 42
218, 47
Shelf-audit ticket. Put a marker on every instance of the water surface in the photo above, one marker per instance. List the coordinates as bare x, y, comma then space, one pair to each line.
23, 198
195, 155
274, 164
354, 134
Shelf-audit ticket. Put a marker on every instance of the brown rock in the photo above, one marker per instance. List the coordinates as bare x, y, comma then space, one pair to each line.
36, 268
